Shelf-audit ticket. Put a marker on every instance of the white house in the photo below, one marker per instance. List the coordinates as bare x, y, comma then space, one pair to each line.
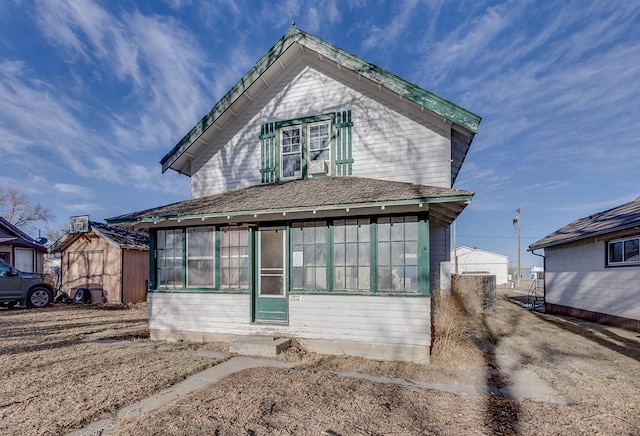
476, 261
321, 202
592, 267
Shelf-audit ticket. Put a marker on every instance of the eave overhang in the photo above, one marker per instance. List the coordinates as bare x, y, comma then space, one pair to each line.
254, 79
306, 199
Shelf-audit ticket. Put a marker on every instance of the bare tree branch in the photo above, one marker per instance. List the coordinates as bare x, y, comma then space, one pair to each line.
16, 208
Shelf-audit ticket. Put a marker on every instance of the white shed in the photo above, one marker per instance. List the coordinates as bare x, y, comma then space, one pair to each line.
477, 261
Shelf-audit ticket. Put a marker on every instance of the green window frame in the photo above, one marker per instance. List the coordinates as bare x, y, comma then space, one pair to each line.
306, 147
309, 256
205, 258
200, 253
352, 255
169, 259
397, 254
234, 258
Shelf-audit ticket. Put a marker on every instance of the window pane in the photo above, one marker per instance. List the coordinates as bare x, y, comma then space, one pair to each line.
321, 278
631, 250
352, 254
319, 155
291, 165
363, 254
338, 254
615, 251
384, 253
384, 278
384, 229
297, 277
338, 278
411, 253
364, 278
320, 255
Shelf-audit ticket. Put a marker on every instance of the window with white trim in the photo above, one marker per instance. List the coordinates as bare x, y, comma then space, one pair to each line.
291, 152
306, 147
624, 251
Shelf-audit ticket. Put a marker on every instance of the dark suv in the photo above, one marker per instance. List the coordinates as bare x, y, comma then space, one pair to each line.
28, 289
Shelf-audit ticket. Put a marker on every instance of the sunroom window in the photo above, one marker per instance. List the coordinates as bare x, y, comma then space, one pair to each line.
169, 258
351, 254
309, 255
624, 251
398, 254
200, 257
234, 257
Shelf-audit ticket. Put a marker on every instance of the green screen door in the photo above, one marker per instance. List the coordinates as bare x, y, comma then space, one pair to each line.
271, 293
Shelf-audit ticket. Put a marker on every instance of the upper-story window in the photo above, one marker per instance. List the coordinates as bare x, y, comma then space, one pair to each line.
306, 147
624, 251
291, 152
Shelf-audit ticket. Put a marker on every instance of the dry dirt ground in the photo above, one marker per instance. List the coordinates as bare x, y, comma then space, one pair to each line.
57, 378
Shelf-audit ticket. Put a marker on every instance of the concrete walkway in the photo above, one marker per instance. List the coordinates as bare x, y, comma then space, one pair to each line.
524, 385
193, 383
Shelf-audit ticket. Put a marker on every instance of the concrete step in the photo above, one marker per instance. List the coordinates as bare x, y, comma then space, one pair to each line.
265, 346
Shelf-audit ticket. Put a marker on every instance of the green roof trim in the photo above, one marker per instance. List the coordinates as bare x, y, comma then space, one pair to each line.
448, 110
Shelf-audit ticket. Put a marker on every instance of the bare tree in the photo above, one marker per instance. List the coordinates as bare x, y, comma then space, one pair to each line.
16, 208
53, 234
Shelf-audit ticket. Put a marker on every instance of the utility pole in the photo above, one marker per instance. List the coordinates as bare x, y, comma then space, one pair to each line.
517, 221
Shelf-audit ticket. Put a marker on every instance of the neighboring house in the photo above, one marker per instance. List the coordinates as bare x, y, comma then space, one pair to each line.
19, 249
592, 267
476, 261
112, 262
321, 203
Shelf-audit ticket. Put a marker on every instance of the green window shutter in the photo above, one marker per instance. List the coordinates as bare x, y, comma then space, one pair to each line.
268, 161
344, 160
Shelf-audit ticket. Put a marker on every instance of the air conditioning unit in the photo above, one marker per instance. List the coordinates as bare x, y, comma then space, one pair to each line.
317, 167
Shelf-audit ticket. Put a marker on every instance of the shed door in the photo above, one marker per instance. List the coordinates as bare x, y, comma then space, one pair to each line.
85, 267
270, 292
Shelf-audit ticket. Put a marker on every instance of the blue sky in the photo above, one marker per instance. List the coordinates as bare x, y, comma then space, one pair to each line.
94, 93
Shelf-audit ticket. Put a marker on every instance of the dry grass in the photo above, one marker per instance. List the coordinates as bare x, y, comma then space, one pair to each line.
55, 378
457, 326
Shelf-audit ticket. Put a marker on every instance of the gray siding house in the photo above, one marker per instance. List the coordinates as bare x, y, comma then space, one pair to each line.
321, 204
19, 249
592, 267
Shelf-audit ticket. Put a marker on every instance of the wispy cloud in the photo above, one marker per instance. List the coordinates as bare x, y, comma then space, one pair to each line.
73, 190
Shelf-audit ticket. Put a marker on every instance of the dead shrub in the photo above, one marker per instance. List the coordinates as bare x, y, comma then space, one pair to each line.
457, 325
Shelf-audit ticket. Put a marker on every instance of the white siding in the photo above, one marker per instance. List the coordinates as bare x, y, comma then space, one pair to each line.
472, 260
576, 277
366, 319
389, 140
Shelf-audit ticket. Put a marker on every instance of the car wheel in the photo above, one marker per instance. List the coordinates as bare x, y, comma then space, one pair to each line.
38, 298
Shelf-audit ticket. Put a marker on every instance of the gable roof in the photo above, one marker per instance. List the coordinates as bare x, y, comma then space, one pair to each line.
463, 250
344, 60
624, 217
322, 194
118, 236
12, 235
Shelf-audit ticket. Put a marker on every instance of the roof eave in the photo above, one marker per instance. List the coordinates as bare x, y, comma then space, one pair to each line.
461, 200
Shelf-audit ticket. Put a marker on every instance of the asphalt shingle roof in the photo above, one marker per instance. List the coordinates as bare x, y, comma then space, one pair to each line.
623, 217
319, 192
